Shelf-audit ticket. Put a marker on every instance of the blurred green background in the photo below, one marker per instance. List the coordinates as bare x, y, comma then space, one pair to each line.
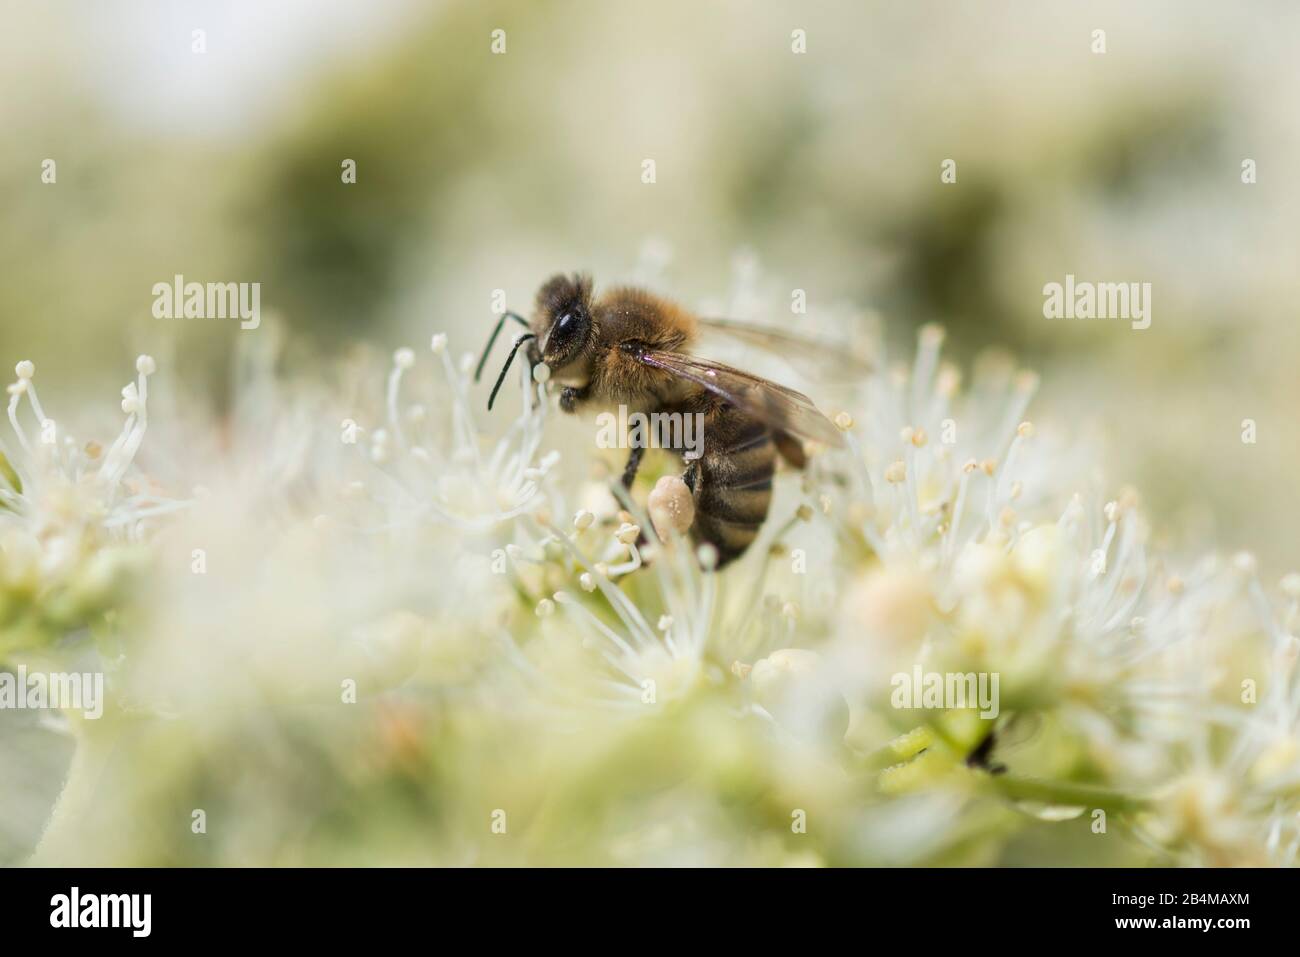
479, 171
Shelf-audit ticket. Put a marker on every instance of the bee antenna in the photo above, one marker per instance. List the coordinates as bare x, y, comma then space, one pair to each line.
478, 372
506, 368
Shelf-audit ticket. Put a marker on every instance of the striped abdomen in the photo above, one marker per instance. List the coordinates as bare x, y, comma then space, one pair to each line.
732, 483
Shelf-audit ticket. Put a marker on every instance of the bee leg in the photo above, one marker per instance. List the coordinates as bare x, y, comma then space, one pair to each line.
982, 756
633, 464
570, 397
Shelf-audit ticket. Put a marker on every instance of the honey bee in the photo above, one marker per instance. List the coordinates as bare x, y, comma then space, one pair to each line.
628, 346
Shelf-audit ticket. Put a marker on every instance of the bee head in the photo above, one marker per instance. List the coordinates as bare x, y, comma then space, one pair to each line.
563, 318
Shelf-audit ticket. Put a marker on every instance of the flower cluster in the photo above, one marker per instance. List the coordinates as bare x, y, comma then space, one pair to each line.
475, 629
69, 513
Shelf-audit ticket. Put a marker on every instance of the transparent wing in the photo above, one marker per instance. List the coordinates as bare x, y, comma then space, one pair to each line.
816, 358
783, 409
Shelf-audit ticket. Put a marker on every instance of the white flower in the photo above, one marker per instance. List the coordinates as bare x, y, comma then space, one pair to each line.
428, 462
65, 498
644, 665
